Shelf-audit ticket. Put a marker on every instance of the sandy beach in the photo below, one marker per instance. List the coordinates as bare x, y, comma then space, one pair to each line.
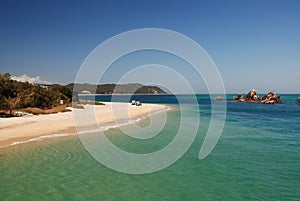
18, 129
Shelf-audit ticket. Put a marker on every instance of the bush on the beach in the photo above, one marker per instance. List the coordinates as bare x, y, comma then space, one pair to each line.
45, 111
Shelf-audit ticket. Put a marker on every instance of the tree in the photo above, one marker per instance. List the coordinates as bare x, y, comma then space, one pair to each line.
6, 91
14, 94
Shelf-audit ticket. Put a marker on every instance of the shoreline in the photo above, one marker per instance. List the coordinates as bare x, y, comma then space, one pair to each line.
116, 94
18, 130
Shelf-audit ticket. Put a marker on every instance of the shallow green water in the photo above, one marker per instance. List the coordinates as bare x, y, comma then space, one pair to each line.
248, 163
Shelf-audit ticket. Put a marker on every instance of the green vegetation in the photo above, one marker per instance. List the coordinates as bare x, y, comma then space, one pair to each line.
133, 88
17, 95
43, 99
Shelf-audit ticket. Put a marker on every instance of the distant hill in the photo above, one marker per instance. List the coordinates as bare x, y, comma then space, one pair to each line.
41, 98
133, 88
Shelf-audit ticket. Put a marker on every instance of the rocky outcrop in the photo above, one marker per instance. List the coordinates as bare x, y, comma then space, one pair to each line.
252, 96
271, 98
298, 100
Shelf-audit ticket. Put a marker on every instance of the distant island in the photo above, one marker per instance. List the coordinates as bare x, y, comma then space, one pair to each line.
24, 97
132, 88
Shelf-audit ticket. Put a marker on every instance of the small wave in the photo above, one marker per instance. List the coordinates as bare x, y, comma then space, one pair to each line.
112, 126
129, 122
36, 139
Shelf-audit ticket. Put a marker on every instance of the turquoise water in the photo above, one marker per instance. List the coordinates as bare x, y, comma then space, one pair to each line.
256, 158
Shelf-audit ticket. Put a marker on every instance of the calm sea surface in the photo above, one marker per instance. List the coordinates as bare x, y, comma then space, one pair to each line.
256, 158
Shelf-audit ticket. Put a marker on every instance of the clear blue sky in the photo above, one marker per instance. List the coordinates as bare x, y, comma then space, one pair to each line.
255, 44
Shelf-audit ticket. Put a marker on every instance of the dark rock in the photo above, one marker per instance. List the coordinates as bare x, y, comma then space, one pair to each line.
238, 96
271, 98
252, 95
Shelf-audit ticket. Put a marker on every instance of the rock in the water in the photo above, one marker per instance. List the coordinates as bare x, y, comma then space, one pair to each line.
239, 96
219, 98
298, 100
271, 98
252, 95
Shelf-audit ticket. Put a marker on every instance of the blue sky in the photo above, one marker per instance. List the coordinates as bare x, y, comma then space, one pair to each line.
255, 44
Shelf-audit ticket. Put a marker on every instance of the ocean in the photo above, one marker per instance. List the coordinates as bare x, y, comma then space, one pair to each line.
256, 158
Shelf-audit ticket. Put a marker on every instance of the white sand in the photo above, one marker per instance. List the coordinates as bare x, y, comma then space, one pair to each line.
23, 128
